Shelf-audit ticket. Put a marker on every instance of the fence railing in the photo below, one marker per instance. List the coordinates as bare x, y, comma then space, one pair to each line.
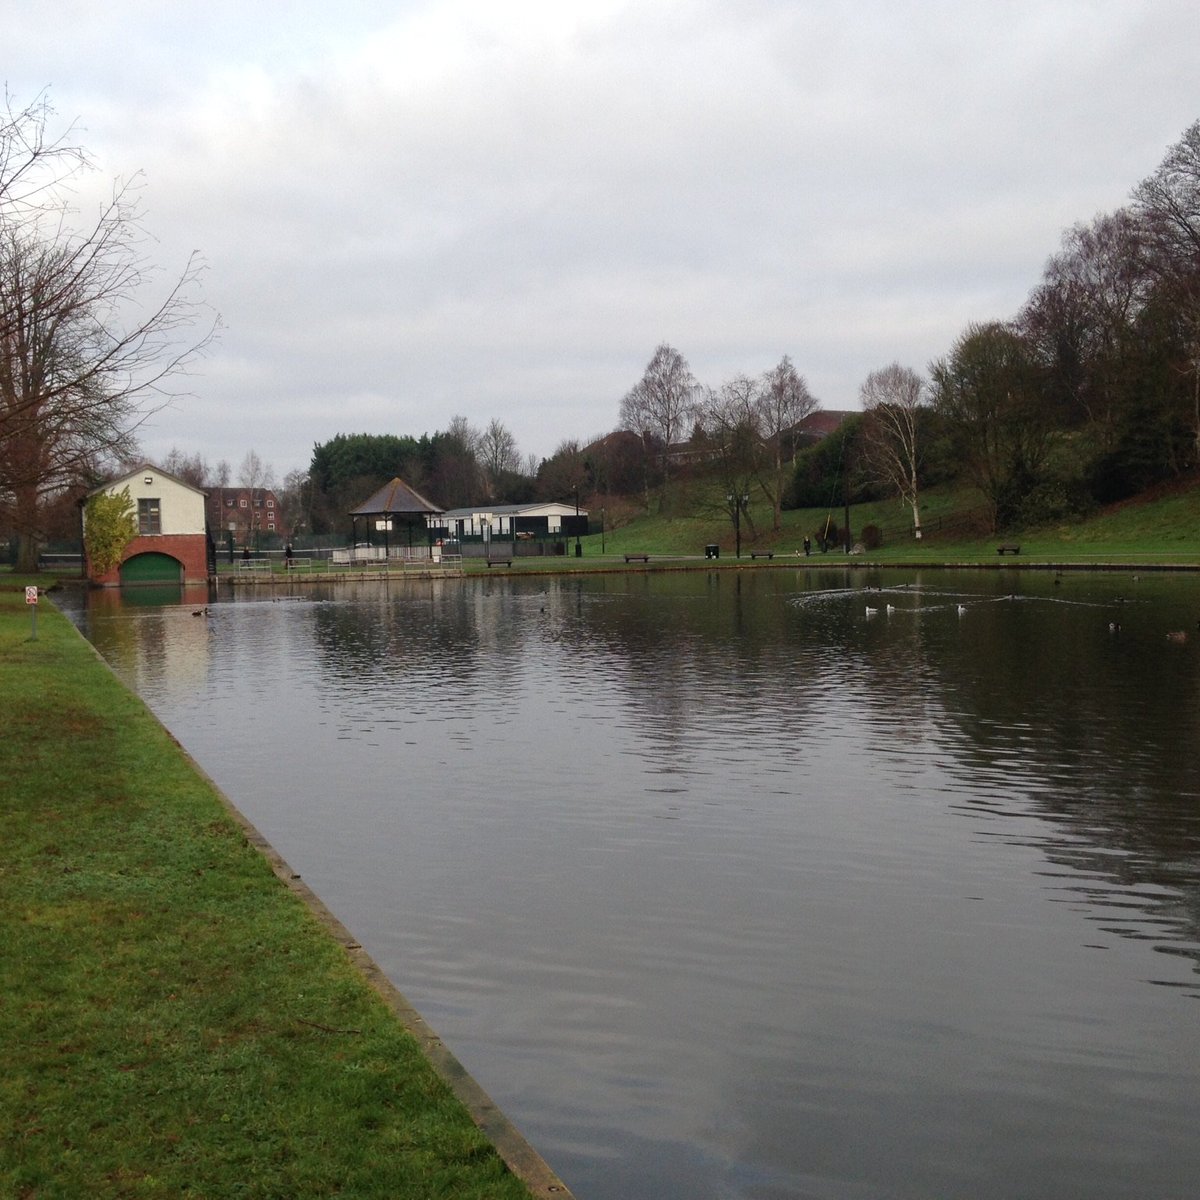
401, 559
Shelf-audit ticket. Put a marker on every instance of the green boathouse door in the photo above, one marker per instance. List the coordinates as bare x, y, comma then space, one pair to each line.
151, 568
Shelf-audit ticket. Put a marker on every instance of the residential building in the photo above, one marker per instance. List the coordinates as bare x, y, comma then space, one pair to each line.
247, 513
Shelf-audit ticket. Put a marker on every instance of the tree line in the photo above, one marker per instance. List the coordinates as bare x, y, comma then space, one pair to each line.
1089, 394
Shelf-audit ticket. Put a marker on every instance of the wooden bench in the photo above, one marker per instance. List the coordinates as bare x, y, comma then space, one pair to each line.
762, 553
637, 558
493, 562
1008, 548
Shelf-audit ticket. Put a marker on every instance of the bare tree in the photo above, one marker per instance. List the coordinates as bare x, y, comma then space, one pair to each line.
662, 404
892, 398
221, 474
455, 476
731, 417
498, 454
32, 162
191, 468
783, 402
90, 343
1169, 204
1080, 320
294, 501
462, 431
254, 473
564, 473
987, 391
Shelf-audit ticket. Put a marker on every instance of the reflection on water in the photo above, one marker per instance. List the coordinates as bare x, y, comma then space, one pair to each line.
749, 885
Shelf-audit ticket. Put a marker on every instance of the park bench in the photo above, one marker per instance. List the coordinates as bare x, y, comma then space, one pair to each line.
254, 564
494, 562
762, 554
1008, 548
637, 558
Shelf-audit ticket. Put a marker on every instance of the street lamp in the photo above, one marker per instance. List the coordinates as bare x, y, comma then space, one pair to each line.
578, 547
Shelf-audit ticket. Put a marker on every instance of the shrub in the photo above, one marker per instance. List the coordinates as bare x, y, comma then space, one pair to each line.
828, 534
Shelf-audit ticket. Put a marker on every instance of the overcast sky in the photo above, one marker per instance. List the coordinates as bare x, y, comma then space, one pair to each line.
410, 211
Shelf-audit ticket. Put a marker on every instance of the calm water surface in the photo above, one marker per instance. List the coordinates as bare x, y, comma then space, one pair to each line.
723, 886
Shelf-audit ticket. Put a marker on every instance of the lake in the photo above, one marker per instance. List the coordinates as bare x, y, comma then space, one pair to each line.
795, 882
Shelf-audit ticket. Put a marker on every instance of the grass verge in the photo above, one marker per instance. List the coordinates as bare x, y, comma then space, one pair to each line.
176, 1022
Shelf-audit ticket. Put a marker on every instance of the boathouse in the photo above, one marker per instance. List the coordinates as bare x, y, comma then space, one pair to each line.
171, 544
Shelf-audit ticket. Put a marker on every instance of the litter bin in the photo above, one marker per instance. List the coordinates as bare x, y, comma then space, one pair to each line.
712, 551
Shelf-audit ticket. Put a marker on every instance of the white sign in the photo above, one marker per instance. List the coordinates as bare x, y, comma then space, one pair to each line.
31, 594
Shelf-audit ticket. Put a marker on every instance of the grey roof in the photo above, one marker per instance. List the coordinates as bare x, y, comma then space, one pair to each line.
395, 498
504, 510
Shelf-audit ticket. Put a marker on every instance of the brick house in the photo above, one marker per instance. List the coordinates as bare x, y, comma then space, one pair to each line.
244, 512
172, 543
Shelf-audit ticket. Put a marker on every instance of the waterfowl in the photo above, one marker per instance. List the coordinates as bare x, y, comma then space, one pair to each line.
871, 611
962, 608
1177, 635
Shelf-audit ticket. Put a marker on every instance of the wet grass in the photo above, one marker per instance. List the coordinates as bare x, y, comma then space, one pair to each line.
1162, 528
176, 1022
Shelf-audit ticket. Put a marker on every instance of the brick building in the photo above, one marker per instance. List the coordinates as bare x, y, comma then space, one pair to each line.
171, 545
247, 513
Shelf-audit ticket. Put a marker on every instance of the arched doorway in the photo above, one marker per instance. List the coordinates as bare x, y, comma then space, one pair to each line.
151, 568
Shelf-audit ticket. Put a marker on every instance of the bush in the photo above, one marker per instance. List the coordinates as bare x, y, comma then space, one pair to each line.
1051, 500
872, 537
828, 535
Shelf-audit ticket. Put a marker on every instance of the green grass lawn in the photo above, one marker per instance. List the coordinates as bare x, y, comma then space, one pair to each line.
176, 1021
1163, 529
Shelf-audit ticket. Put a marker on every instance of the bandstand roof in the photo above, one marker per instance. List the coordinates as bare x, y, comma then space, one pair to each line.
395, 499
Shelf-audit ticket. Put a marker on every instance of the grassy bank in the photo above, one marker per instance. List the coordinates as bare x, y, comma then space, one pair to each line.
176, 1022
1163, 528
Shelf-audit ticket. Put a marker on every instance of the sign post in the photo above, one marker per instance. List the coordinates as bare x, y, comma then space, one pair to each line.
31, 598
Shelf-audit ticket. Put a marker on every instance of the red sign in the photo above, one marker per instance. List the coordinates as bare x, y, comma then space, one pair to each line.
31, 594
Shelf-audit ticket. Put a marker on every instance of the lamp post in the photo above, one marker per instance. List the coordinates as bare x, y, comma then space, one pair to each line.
578, 547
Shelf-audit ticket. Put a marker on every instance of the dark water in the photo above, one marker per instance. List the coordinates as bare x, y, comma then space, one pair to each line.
724, 887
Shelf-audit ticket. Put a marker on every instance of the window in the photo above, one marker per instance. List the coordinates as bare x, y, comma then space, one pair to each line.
229, 502
270, 503
242, 503
271, 525
149, 516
